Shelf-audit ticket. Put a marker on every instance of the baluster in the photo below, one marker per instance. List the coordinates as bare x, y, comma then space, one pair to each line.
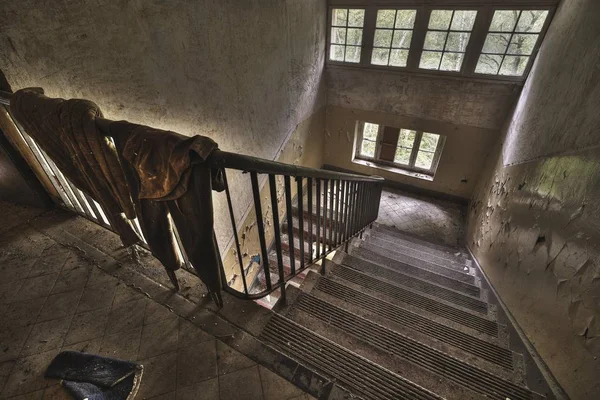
290, 223
310, 219
300, 219
325, 184
277, 233
261, 228
235, 234
331, 217
318, 216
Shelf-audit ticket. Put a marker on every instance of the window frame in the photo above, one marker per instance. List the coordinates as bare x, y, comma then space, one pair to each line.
413, 155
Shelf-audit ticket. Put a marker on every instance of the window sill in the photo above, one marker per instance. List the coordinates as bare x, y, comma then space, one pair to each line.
394, 170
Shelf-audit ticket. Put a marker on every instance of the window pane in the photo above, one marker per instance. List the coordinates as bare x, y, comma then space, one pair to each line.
452, 61
352, 54
504, 20
385, 18
402, 155
514, 65
383, 38
457, 41
522, 44
336, 52
440, 19
402, 39
338, 35
532, 21
354, 36
429, 141
424, 160
406, 138
435, 40
463, 20
367, 149
488, 64
356, 18
399, 58
370, 131
339, 17
496, 43
380, 56
430, 60
406, 19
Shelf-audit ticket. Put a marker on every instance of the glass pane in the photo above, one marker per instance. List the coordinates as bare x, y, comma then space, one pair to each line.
430, 60
352, 54
424, 160
532, 21
406, 138
463, 20
496, 43
514, 65
383, 38
367, 149
339, 17
336, 52
440, 19
370, 131
356, 18
354, 36
429, 141
452, 61
402, 155
488, 64
405, 19
399, 58
457, 41
380, 56
504, 20
338, 35
385, 18
522, 44
402, 39
435, 40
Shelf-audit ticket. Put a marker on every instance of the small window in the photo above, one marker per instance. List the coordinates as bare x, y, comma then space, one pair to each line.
408, 149
510, 42
346, 34
446, 41
393, 35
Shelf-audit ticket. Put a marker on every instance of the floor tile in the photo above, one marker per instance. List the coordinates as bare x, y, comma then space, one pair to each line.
158, 338
248, 379
156, 312
96, 297
6, 368
196, 363
28, 374
275, 387
39, 286
126, 316
71, 279
37, 395
231, 360
23, 313
60, 305
46, 336
12, 339
56, 392
125, 294
190, 334
87, 325
207, 390
160, 375
123, 345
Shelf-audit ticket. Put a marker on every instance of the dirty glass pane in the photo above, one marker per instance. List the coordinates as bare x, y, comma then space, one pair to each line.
522, 44
385, 18
405, 19
370, 131
354, 36
406, 138
367, 149
430, 60
383, 38
504, 20
463, 20
429, 141
424, 160
457, 41
452, 61
380, 56
402, 39
532, 21
352, 54
402, 155
336, 52
496, 43
488, 64
514, 65
399, 58
435, 40
440, 19
356, 18
339, 17
338, 35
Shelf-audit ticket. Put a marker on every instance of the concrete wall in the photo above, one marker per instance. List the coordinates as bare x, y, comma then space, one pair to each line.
470, 114
245, 73
534, 223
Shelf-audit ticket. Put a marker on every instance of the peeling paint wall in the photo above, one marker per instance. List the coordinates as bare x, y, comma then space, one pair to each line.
534, 221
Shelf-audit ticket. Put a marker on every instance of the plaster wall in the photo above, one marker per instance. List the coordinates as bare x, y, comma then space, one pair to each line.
534, 222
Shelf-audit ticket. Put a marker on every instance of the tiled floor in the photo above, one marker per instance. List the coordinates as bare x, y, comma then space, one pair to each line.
433, 219
52, 299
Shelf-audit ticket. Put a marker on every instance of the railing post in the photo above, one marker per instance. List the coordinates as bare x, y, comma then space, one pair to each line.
277, 233
261, 228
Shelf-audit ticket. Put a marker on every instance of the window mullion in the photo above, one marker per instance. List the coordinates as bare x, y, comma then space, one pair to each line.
415, 149
477, 40
378, 141
418, 38
368, 35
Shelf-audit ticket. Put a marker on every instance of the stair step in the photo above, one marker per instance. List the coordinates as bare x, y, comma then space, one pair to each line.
426, 358
341, 364
424, 286
479, 347
425, 274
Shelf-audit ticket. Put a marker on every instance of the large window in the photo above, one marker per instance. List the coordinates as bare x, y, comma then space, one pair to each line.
393, 34
346, 34
408, 149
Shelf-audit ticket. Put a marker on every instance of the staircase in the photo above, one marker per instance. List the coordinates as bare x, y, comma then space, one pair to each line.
397, 317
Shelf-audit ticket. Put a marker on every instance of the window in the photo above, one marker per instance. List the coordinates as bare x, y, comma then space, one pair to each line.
511, 39
408, 149
393, 35
446, 40
346, 34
